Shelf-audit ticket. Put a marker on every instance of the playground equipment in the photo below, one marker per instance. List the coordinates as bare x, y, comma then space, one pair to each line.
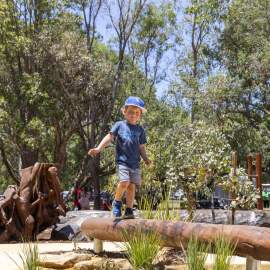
250, 241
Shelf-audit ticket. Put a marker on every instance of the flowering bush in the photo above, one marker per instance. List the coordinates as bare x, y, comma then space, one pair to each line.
245, 194
199, 154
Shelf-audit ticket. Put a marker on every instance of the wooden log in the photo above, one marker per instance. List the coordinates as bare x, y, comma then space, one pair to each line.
250, 241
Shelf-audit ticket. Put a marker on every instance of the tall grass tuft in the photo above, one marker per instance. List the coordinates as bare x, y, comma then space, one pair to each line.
147, 207
164, 210
196, 254
141, 247
29, 256
224, 250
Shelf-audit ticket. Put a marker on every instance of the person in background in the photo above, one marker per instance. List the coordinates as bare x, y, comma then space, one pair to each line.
76, 194
84, 200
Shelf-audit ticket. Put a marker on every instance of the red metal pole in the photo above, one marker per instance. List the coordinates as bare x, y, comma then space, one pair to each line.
259, 179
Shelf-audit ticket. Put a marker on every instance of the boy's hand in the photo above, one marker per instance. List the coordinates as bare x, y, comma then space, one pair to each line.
147, 162
93, 152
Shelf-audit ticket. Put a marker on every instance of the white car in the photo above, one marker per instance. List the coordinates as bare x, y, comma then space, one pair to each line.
178, 194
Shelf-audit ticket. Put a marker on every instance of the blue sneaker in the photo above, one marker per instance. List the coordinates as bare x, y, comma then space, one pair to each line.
116, 208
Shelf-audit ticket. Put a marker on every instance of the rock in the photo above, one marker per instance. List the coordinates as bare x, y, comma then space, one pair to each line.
77, 217
242, 217
98, 263
123, 264
176, 267
54, 269
169, 256
62, 261
93, 264
69, 226
45, 234
80, 238
65, 231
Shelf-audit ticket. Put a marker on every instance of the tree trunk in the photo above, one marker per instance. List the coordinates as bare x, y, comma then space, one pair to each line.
29, 157
60, 154
94, 168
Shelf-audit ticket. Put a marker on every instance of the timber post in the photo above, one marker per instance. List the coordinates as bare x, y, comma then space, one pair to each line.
257, 175
252, 264
98, 245
259, 179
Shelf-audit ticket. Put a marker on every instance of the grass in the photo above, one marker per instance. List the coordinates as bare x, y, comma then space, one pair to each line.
224, 250
141, 247
196, 254
29, 256
147, 207
166, 210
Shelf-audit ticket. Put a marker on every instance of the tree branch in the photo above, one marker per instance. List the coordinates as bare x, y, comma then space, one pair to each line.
7, 164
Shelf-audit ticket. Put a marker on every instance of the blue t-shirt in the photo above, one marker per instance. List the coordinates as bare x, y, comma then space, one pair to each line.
128, 138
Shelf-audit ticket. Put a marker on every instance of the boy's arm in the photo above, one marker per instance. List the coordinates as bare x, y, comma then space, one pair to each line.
143, 154
105, 141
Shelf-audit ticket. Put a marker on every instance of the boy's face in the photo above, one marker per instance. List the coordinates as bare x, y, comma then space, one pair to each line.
132, 114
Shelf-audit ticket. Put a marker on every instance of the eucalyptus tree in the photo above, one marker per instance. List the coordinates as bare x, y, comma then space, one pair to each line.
200, 28
237, 97
43, 67
151, 40
20, 79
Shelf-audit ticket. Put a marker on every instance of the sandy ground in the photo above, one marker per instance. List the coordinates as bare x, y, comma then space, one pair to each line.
8, 251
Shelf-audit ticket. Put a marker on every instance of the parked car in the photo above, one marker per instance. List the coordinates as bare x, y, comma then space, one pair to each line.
178, 194
64, 195
207, 204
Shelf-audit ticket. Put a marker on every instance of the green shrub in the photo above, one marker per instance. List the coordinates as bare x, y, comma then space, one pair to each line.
196, 254
224, 250
142, 247
164, 210
29, 256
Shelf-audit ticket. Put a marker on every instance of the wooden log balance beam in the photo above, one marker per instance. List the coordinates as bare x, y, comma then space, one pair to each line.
250, 240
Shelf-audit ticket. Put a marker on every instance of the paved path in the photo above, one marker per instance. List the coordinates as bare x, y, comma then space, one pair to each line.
8, 251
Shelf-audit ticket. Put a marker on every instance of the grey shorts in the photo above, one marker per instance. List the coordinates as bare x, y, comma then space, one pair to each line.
127, 174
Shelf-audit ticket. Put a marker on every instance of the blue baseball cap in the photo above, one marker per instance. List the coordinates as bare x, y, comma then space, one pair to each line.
135, 101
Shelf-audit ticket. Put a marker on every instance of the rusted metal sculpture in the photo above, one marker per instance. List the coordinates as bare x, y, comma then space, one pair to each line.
249, 240
34, 206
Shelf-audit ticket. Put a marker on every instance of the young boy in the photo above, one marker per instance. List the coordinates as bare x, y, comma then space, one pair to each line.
130, 146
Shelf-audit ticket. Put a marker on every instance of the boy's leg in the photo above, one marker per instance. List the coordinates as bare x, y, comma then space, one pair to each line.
117, 203
135, 179
121, 188
130, 194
